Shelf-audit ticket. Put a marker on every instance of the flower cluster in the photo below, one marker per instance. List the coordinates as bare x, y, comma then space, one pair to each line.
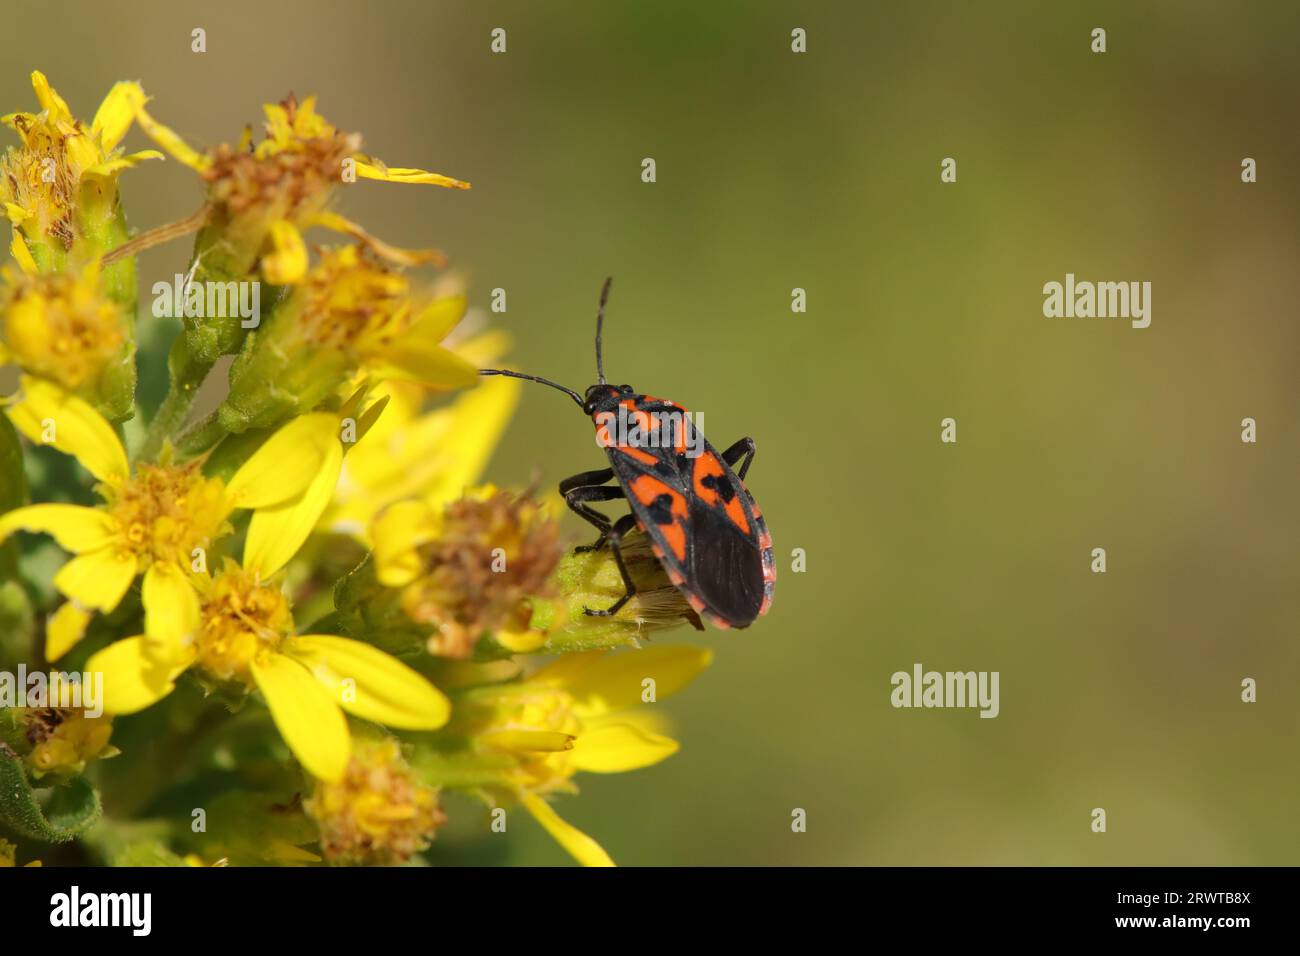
292, 554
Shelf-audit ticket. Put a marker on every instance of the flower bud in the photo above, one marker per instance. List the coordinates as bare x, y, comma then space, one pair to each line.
63, 327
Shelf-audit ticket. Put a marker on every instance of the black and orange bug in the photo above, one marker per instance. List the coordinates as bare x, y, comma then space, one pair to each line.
702, 522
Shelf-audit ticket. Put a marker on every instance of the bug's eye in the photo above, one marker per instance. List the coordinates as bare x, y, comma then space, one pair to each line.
625, 388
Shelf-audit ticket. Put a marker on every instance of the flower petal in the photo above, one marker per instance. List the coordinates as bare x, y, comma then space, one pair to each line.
413, 359
434, 456
171, 612
73, 425
97, 579
387, 691
114, 166
75, 527
286, 463
286, 263
567, 668
275, 534
438, 318
603, 682
405, 257
48, 98
115, 114
520, 642
306, 715
392, 174
580, 846
398, 532
65, 629
170, 142
22, 255
618, 747
476, 422
132, 679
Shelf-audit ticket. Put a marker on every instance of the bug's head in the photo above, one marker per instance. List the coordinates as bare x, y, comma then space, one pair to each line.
601, 397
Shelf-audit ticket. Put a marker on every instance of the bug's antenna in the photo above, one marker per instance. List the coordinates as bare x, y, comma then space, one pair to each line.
533, 378
600, 323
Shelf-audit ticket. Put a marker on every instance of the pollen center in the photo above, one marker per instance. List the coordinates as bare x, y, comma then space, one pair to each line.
59, 327
167, 512
353, 301
242, 619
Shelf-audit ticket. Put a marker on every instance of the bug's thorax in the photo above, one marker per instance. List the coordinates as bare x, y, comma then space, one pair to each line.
601, 399
649, 429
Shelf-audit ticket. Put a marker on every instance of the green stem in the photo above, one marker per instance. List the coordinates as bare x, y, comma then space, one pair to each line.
169, 418
201, 436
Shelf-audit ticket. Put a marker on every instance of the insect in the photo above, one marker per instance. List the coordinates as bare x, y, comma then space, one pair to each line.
702, 522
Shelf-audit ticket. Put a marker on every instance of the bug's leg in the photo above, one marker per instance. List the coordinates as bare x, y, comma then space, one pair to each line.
597, 477
615, 535
577, 500
741, 449
586, 487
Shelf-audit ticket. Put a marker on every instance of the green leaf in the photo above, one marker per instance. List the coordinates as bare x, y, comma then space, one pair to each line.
71, 809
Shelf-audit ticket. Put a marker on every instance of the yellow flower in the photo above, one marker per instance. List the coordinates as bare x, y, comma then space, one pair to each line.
584, 712
379, 813
62, 327
354, 303
156, 520
61, 185
265, 195
238, 629
432, 456
65, 739
353, 315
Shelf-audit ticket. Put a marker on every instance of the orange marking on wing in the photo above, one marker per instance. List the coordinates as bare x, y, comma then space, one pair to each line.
736, 512
642, 456
675, 535
706, 466
647, 488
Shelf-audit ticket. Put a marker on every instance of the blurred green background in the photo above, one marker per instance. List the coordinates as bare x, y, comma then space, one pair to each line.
821, 171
